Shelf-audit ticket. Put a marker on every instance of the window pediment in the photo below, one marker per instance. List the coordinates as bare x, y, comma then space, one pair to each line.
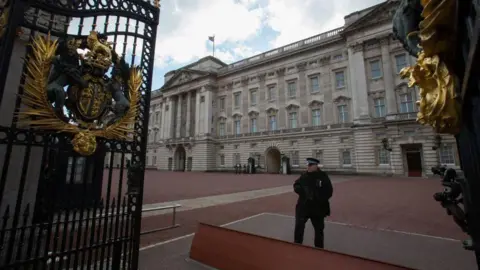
341, 99
315, 103
292, 104
271, 109
237, 115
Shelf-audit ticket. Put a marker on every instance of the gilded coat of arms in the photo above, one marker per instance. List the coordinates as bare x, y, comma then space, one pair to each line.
66, 91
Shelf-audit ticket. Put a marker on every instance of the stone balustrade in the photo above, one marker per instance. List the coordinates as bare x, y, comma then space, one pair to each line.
323, 37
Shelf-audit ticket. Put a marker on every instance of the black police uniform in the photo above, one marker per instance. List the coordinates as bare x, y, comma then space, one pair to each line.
314, 190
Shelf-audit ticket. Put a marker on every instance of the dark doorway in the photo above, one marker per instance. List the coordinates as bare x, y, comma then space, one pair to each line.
180, 160
413, 157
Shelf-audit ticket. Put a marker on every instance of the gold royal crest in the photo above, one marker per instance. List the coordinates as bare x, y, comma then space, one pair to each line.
89, 95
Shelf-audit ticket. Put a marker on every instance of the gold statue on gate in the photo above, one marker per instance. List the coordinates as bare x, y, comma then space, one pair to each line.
433, 73
91, 97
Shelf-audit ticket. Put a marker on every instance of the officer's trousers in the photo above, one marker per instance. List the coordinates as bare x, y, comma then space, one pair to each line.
318, 223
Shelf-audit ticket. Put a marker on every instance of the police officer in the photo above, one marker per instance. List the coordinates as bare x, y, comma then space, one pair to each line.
314, 189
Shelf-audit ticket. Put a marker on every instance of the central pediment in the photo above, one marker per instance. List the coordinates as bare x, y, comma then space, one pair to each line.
183, 76
381, 13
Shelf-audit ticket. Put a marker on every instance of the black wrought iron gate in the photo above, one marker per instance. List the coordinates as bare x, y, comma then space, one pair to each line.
61, 207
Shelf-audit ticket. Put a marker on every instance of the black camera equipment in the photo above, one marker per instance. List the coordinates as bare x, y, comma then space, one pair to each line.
452, 198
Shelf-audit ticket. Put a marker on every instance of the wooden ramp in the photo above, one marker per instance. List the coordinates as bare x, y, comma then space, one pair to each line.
227, 249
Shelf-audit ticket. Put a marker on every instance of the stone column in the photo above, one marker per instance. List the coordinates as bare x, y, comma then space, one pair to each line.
207, 107
169, 117
358, 82
160, 126
178, 116
197, 112
388, 77
188, 114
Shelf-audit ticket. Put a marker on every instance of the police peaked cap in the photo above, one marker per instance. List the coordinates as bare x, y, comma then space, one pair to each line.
313, 161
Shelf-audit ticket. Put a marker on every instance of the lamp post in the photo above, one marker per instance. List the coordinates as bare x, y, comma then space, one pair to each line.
386, 145
437, 142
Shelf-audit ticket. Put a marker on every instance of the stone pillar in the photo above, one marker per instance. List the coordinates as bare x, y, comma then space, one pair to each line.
188, 114
169, 117
358, 82
207, 107
160, 126
197, 112
178, 116
388, 77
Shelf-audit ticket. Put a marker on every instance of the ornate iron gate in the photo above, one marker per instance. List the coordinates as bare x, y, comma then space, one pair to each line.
75, 79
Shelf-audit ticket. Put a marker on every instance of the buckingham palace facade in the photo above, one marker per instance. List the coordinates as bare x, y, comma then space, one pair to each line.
336, 96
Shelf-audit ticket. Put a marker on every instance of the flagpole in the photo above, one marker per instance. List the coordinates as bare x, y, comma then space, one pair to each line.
214, 48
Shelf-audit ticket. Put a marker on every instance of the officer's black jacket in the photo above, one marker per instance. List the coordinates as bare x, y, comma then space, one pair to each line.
314, 190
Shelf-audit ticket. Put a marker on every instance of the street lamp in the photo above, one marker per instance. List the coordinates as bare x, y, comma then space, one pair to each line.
437, 142
386, 145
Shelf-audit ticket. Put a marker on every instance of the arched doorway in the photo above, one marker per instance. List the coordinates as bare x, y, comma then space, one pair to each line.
273, 158
179, 158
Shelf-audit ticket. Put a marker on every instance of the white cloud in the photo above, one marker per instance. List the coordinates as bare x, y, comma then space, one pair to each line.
294, 21
193, 21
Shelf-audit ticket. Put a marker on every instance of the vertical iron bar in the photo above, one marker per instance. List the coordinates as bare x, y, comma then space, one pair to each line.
143, 146
93, 232
119, 204
107, 212
41, 181
174, 215
85, 237
103, 211
21, 242
15, 19
88, 166
67, 211
110, 241
125, 235
19, 200
5, 218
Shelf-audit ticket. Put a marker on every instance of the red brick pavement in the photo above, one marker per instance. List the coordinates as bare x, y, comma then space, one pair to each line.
164, 186
387, 203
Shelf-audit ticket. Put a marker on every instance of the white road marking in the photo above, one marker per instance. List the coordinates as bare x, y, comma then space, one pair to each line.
192, 234
376, 229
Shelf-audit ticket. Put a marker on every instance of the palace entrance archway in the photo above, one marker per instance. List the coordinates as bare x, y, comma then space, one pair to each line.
273, 160
179, 158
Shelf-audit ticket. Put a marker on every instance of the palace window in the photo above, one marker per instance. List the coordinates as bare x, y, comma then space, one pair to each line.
292, 89
155, 136
236, 100
314, 84
346, 157
157, 117
271, 95
272, 122
222, 160
221, 129
383, 156
316, 117
221, 104
379, 104
319, 155
375, 69
342, 114
253, 125
253, 97
400, 61
237, 125
154, 160
406, 103
447, 154
292, 119
340, 79
294, 157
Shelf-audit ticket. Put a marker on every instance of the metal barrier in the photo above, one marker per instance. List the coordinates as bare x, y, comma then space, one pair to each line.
172, 226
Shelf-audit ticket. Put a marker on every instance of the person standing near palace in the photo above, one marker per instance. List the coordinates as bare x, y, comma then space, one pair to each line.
314, 190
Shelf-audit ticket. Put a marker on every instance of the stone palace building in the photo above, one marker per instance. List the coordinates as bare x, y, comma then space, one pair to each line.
335, 96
